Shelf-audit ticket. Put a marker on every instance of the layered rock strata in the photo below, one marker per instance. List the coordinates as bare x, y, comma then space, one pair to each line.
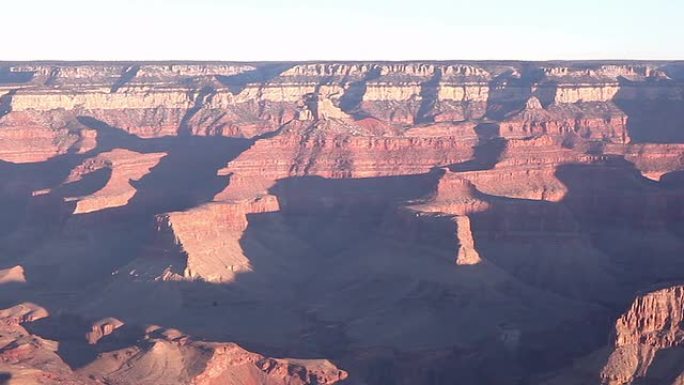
412, 222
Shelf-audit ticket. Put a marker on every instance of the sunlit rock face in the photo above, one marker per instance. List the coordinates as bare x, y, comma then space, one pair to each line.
375, 222
647, 337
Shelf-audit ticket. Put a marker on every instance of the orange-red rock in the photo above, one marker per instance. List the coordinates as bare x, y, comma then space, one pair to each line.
409, 222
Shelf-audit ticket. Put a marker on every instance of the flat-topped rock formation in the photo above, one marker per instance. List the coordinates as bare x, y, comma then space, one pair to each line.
383, 222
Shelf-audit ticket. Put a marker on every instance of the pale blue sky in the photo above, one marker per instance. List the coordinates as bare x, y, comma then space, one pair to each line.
342, 30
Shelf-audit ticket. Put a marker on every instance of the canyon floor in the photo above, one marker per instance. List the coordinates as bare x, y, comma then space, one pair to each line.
353, 223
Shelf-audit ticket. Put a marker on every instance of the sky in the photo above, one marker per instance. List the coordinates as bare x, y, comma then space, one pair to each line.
256, 30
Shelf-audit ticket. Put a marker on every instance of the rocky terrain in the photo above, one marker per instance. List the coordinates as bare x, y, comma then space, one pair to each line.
358, 223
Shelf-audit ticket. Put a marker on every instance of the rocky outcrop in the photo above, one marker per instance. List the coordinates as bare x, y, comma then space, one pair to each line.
12, 275
331, 150
653, 160
454, 195
467, 254
209, 236
231, 364
126, 167
27, 137
24, 312
413, 222
648, 340
183, 361
159, 356
103, 328
595, 120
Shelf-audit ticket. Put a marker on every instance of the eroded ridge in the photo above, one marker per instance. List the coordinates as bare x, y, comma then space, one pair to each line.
385, 222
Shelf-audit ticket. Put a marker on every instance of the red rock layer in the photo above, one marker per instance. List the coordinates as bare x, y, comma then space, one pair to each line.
162, 357
328, 149
126, 167
648, 340
209, 236
481, 214
30, 137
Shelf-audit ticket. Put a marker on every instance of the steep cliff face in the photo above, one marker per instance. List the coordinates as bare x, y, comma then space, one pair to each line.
250, 99
648, 341
645, 347
209, 236
412, 222
330, 150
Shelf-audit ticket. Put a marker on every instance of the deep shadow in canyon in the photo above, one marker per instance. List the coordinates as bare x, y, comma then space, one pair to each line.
351, 100
121, 231
510, 90
7, 76
6, 103
114, 236
341, 263
487, 151
665, 364
129, 72
262, 73
428, 98
652, 119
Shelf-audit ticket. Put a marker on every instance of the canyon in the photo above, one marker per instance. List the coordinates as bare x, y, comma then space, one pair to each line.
352, 223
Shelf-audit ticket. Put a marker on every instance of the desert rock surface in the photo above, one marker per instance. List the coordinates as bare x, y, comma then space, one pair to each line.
356, 223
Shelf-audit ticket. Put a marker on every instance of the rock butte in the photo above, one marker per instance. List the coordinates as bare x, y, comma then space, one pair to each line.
385, 222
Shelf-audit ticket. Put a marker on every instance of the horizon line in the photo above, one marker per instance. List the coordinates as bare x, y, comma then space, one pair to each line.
305, 61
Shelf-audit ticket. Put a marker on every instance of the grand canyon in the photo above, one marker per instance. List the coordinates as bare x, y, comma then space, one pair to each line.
351, 223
